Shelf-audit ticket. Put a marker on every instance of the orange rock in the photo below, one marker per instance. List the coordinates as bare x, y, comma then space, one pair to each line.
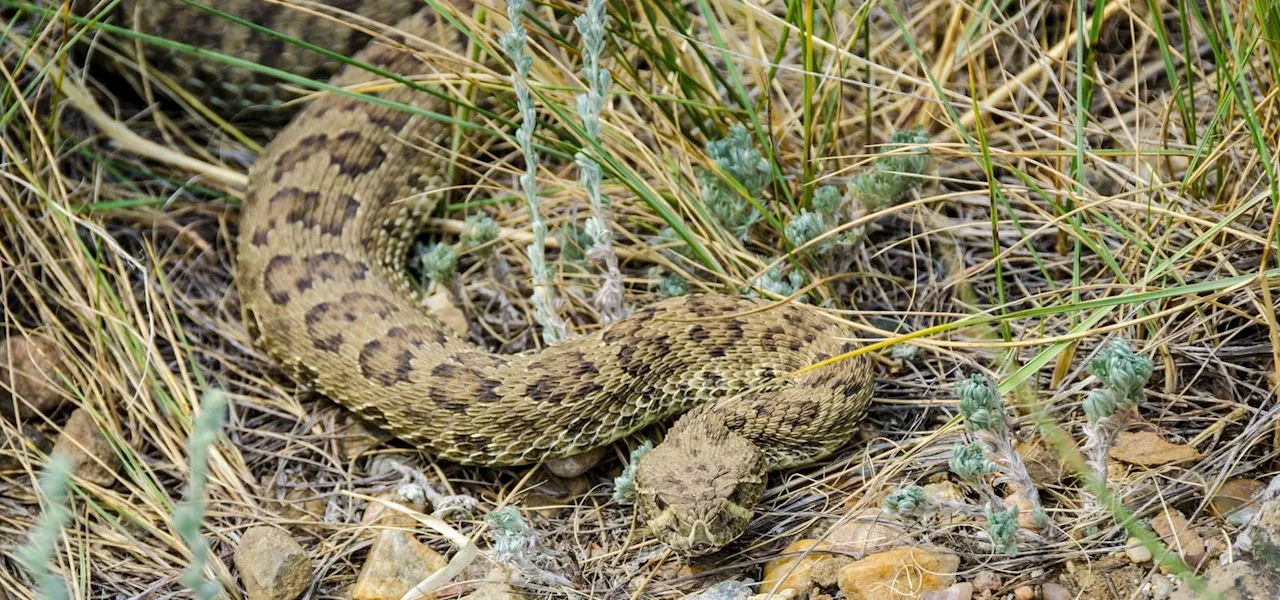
1234, 495
898, 574
1176, 533
790, 570
868, 530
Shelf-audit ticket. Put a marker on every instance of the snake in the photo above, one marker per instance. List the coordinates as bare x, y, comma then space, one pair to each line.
332, 208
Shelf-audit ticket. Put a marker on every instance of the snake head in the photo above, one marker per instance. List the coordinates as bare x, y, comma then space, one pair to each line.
698, 489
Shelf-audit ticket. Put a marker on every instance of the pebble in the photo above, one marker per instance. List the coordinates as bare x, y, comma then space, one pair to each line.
31, 365
573, 466
987, 581
959, 591
791, 569
1136, 552
272, 565
1236, 495
1177, 534
396, 563
1054, 591
409, 495
92, 458
864, 532
1024, 592
900, 573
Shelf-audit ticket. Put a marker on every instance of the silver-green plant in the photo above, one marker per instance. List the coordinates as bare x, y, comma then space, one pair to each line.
774, 282
42, 542
514, 543
738, 158
479, 229
1002, 526
624, 485
513, 45
897, 170
986, 416
188, 518
608, 298
1111, 409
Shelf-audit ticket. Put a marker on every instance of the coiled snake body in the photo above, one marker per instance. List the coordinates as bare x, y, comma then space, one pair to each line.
332, 207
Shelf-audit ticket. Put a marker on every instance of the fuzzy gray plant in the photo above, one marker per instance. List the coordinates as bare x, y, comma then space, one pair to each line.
513, 45
985, 415
188, 519
1111, 409
774, 282
608, 298
896, 171
515, 544
739, 159
624, 485
36, 555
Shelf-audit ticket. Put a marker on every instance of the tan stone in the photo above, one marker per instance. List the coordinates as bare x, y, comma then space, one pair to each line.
869, 530
272, 565
31, 370
92, 457
441, 305
1235, 494
379, 514
1177, 534
791, 569
959, 591
396, 563
573, 466
1024, 592
1147, 449
900, 573
1026, 510
1043, 465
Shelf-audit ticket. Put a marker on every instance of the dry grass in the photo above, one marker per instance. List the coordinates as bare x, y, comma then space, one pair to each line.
1146, 213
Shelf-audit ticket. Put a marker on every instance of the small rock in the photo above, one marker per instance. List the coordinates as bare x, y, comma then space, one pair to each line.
1043, 465
1240, 580
868, 530
494, 590
946, 490
790, 570
30, 376
441, 305
272, 565
1136, 552
787, 594
1236, 495
826, 573
987, 581
1026, 511
396, 563
573, 466
1146, 449
959, 591
91, 455
1053, 591
1024, 592
409, 495
900, 573
1161, 587
1176, 532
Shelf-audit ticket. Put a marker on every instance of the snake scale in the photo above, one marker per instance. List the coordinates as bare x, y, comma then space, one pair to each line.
333, 206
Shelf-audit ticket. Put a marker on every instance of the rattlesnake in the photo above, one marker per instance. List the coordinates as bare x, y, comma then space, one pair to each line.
333, 205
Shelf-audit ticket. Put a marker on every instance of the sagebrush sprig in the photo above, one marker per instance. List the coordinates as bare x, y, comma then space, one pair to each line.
985, 415
897, 171
513, 45
188, 518
514, 543
738, 158
1111, 409
608, 298
624, 485
36, 555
